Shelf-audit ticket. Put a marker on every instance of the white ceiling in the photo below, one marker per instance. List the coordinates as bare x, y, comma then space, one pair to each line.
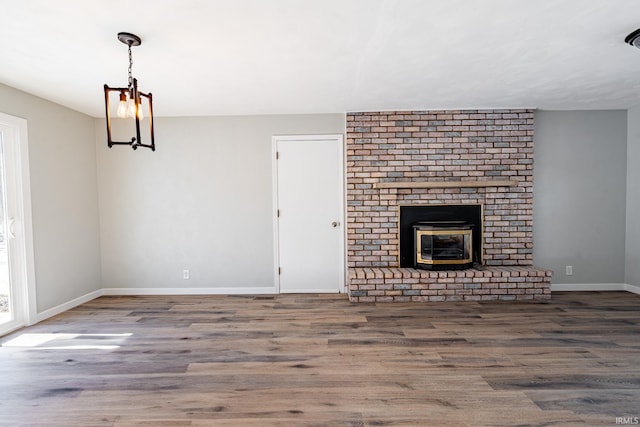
228, 57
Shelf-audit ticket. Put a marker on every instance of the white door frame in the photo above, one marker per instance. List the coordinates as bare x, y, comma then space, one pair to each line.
23, 263
274, 157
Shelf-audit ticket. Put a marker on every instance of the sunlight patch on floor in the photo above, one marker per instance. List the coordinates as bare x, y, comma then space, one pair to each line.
61, 341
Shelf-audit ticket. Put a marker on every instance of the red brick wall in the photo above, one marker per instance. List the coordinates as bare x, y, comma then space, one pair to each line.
439, 146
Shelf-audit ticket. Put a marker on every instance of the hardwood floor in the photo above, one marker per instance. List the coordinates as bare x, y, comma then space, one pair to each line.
317, 360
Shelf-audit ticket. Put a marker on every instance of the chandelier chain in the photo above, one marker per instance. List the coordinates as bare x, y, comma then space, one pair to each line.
130, 67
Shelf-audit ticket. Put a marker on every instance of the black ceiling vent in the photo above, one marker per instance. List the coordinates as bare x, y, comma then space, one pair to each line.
634, 38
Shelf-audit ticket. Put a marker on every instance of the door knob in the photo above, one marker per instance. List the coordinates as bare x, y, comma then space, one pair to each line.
334, 224
11, 228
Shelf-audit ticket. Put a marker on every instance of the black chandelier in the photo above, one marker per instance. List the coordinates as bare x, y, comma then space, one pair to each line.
134, 106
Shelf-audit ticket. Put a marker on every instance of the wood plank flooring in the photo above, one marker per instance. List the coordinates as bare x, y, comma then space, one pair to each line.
318, 360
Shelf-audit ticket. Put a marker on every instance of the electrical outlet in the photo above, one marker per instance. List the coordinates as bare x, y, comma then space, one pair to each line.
185, 274
568, 270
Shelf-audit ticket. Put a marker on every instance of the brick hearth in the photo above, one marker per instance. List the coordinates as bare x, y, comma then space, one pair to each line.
487, 284
387, 149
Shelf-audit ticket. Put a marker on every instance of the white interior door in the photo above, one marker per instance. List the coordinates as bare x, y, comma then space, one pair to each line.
16, 254
309, 213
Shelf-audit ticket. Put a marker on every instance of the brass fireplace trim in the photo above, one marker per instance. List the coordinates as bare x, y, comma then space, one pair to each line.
421, 233
399, 205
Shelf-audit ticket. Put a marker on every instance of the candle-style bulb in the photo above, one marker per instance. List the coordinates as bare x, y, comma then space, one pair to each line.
121, 112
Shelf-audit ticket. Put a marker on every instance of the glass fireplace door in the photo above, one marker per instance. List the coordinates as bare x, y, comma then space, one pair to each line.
440, 246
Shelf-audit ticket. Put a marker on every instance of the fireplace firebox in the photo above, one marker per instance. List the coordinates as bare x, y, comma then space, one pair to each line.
442, 245
437, 232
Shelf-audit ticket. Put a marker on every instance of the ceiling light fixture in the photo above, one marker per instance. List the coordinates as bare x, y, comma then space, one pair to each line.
633, 39
133, 106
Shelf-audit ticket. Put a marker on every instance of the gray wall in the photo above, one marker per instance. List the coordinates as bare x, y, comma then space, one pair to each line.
203, 201
579, 194
632, 271
64, 202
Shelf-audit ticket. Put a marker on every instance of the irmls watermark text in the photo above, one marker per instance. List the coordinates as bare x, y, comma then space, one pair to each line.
627, 420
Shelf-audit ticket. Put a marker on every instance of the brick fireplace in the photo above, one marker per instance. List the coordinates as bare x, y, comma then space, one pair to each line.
422, 158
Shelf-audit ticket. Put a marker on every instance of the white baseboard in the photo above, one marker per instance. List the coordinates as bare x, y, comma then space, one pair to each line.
632, 288
189, 291
68, 305
565, 287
